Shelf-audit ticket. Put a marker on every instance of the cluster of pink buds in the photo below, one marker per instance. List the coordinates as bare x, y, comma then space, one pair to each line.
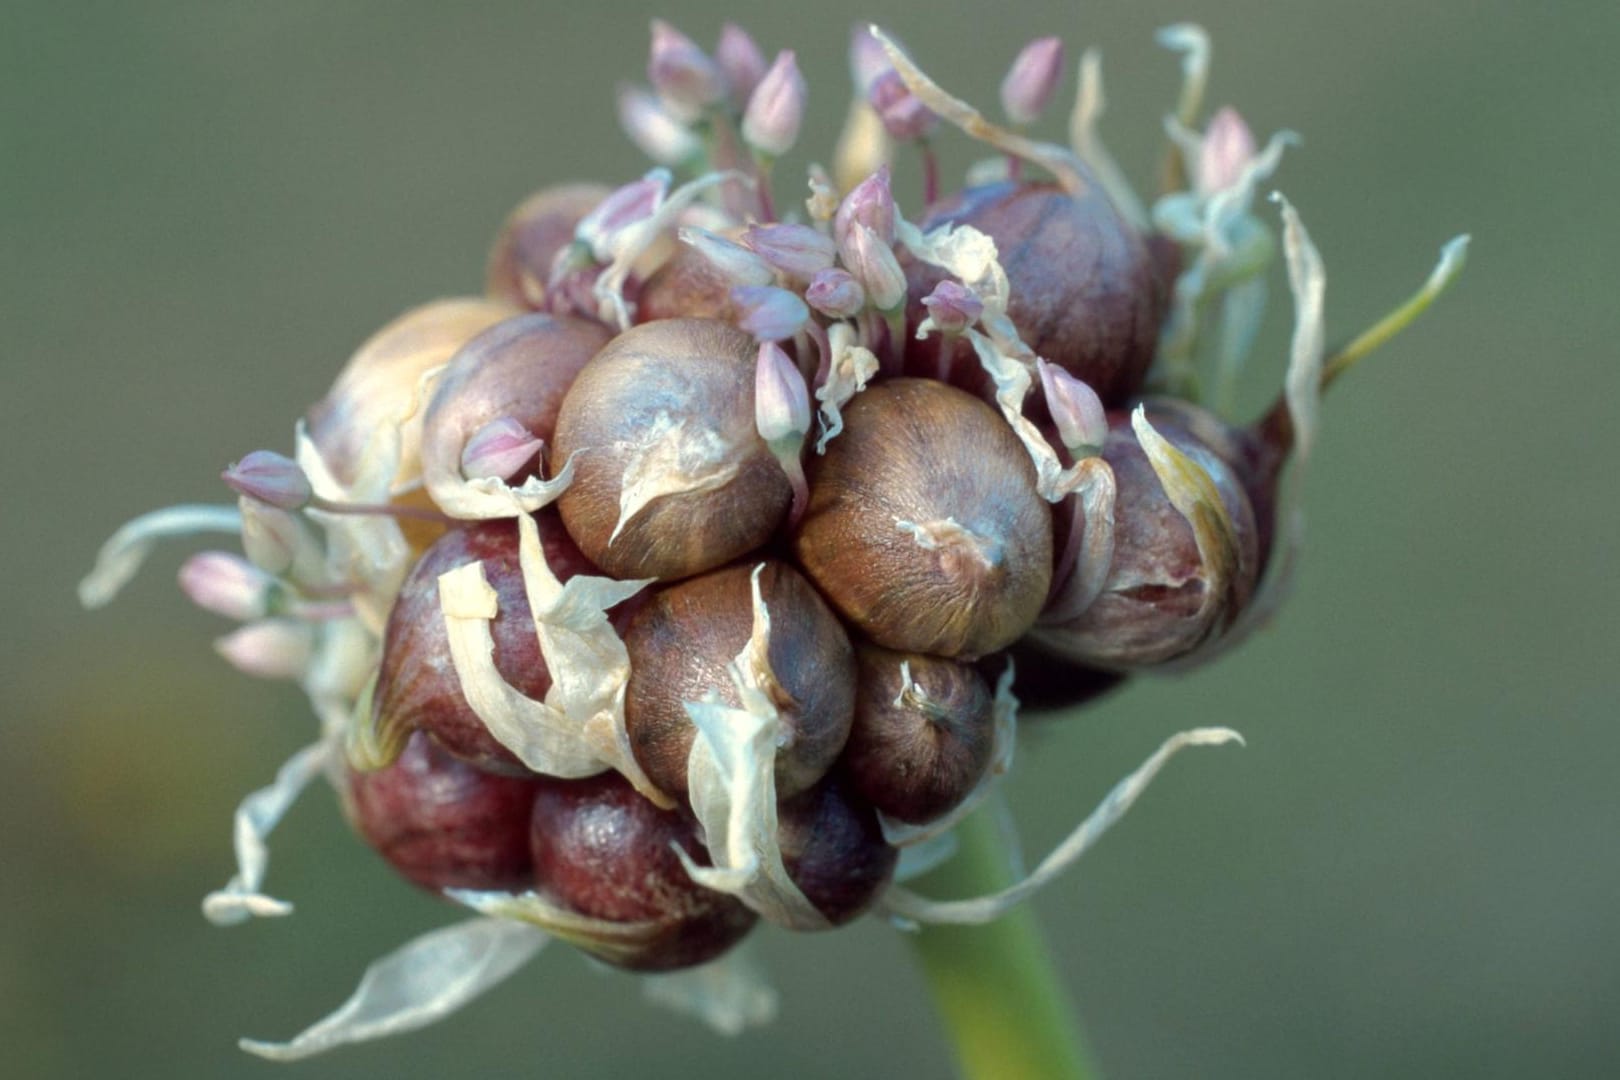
690, 577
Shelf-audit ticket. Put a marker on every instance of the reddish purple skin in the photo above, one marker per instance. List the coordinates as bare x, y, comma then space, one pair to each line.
604, 851
833, 849
418, 688
444, 824
1086, 291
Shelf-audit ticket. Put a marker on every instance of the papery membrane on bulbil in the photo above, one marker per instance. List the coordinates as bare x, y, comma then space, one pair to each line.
904, 903
1192, 491
672, 457
418, 984
731, 779
1078, 584
730, 994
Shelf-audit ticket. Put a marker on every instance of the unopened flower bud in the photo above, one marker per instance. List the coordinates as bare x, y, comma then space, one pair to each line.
769, 313
741, 62
867, 60
781, 398
736, 263
835, 293
498, 449
868, 203
875, 267
683, 74
953, 306
626, 206
270, 477
903, 115
269, 649
796, 250
776, 108
1226, 150
1032, 79
1076, 409
654, 130
227, 585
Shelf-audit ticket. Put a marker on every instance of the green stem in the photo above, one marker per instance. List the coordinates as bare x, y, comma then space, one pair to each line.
1008, 1014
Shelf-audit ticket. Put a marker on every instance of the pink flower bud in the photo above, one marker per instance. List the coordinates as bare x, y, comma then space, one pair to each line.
740, 61
835, 293
270, 477
867, 60
796, 250
684, 76
227, 585
269, 649
875, 267
498, 449
736, 264
655, 132
1076, 409
904, 117
624, 207
953, 306
1227, 149
769, 313
1032, 79
776, 108
781, 398
868, 203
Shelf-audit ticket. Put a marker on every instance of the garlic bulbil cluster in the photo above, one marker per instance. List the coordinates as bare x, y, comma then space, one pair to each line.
686, 580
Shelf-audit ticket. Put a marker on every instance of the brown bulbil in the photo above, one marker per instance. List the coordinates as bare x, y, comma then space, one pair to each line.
1152, 608
542, 225
1085, 289
681, 641
688, 286
444, 824
914, 753
519, 369
417, 687
664, 399
602, 850
924, 527
833, 849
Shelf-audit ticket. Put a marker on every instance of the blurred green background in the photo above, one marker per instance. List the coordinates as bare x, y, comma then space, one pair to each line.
1414, 868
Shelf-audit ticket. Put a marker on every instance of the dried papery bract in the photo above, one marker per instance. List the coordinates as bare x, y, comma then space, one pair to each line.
672, 477
541, 226
922, 736
519, 370
603, 851
681, 642
443, 823
1184, 560
417, 686
924, 527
